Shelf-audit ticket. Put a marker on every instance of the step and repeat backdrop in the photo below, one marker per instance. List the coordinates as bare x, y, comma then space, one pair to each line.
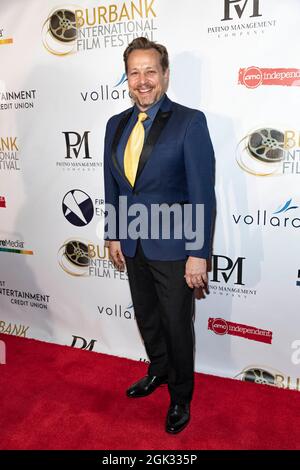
61, 78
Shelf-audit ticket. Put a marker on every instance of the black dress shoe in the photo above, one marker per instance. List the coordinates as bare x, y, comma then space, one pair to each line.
145, 386
177, 418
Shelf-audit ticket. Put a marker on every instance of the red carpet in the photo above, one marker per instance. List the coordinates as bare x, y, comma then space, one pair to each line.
55, 397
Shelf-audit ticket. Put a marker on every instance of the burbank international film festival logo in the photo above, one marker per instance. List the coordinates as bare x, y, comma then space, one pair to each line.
9, 153
269, 151
266, 375
240, 18
69, 29
82, 258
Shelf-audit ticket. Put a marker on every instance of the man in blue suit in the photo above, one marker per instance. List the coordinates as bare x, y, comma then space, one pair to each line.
159, 166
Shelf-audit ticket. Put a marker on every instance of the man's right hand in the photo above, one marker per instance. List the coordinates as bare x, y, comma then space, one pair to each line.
116, 255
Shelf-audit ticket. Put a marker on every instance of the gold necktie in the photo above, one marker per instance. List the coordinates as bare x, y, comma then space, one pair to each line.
134, 148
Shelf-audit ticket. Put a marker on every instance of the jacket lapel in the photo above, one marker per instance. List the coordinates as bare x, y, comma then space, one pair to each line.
157, 127
120, 129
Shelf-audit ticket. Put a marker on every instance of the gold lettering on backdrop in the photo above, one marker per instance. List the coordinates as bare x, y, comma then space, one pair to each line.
114, 13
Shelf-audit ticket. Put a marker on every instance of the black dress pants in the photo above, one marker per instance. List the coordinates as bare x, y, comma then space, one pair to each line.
163, 305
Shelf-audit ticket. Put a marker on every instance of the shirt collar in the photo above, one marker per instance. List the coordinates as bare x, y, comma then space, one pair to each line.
152, 111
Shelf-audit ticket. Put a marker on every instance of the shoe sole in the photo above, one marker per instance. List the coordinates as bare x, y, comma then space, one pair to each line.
179, 430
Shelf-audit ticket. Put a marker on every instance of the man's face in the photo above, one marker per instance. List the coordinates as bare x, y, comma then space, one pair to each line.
146, 80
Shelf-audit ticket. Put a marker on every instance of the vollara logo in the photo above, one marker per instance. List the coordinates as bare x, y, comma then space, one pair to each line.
269, 376
253, 77
234, 11
77, 152
106, 93
278, 218
78, 207
222, 327
268, 151
117, 311
2, 201
68, 30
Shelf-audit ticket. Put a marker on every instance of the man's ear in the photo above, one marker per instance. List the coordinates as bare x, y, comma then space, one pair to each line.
167, 77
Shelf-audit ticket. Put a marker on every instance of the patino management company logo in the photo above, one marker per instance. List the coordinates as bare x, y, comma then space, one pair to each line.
268, 376
76, 152
286, 215
80, 342
242, 18
227, 277
82, 258
9, 153
69, 29
270, 151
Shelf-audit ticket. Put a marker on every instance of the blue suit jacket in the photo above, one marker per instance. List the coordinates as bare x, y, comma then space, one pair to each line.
176, 166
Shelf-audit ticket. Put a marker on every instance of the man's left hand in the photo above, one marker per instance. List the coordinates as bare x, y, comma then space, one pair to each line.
196, 272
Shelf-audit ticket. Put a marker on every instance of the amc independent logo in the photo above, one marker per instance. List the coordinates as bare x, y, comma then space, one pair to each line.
222, 327
253, 77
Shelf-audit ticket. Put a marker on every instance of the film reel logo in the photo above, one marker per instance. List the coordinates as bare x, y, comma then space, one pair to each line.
268, 376
60, 31
73, 257
261, 152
